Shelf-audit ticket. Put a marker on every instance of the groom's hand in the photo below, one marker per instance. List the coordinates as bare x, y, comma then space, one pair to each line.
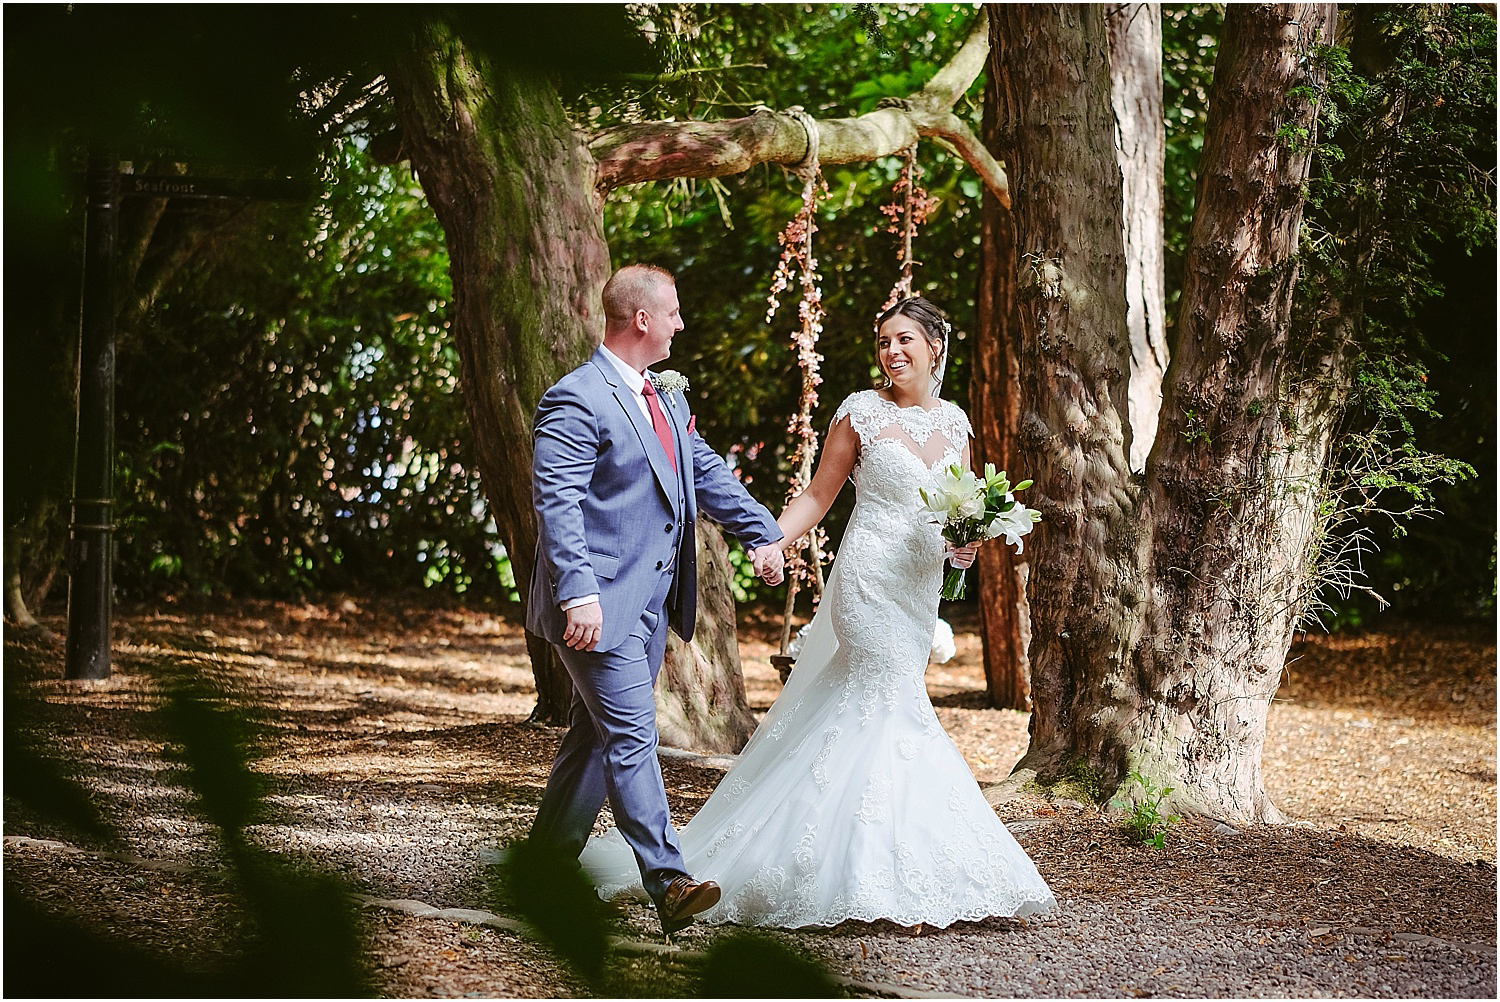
585, 623
768, 563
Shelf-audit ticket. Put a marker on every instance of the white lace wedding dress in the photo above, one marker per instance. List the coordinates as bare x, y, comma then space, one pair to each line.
850, 801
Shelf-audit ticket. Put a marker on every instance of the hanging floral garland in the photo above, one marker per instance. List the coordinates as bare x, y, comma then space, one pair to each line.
797, 254
909, 208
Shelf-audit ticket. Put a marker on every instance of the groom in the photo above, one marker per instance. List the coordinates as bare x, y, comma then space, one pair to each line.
618, 477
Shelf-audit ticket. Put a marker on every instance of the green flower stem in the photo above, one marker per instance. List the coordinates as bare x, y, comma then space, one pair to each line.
953, 584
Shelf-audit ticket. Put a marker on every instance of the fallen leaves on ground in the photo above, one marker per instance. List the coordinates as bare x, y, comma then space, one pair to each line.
385, 720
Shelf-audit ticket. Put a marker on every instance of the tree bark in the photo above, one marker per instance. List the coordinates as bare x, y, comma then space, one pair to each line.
1055, 130
1162, 610
1234, 483
994, 404
700, 701
511, 183
1140, 147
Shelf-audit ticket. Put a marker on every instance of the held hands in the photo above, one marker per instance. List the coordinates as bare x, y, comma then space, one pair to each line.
961, 556
768, 563
585, 624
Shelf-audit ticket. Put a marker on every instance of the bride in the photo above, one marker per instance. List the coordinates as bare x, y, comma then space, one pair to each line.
850, 801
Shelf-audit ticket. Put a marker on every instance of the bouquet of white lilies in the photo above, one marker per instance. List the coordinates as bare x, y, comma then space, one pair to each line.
970, 509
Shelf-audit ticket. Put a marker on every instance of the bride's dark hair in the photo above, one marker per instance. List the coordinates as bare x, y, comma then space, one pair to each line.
934, 324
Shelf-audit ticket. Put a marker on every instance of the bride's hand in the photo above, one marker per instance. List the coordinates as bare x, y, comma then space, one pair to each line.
962, 556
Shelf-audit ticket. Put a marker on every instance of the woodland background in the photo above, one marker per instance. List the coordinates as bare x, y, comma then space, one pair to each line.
289, 410
312, 579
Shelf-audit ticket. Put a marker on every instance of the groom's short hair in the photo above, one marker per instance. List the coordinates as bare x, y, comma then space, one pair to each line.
630, 289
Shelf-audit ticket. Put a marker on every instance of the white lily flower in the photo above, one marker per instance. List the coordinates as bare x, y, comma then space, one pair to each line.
1012, 525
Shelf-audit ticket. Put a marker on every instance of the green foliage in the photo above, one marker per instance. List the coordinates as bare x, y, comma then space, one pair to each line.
1398, 255
291, 419
1144, 821
742, 580
1190, 44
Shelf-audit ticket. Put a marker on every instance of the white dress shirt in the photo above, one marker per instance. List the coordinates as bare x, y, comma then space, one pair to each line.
635, 380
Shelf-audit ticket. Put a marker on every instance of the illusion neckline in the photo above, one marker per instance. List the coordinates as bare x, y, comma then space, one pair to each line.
937, 404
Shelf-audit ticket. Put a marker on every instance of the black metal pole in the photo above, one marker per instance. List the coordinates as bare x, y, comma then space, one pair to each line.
90, 533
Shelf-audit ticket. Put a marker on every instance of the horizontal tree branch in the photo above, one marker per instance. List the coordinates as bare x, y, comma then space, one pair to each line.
655, 151
669, 77
954, 79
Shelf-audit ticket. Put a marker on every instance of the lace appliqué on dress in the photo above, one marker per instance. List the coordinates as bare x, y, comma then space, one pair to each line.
870, 415
852, 803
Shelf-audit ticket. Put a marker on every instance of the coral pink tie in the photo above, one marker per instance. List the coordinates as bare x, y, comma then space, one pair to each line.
659, 422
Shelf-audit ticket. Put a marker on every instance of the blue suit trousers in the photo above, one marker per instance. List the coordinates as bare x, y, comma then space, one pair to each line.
610, 751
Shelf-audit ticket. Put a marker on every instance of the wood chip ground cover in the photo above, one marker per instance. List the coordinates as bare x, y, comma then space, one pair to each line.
396, 753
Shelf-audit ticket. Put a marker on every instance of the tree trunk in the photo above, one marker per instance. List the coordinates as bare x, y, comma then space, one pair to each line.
1234, 483
1055, 130
1140, 147
700, 704
1161, 616
15, 602
512, 185
994, 404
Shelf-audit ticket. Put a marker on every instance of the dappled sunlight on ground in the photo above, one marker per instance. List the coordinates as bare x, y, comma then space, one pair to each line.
396, 753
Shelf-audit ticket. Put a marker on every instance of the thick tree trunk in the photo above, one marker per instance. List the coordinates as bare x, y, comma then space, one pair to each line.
699, 704
1055, 131
1234, 482
512, 184
994, 405
1141, 146
1161, 616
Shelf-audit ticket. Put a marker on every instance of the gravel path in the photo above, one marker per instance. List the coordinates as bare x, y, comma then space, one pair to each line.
399, 755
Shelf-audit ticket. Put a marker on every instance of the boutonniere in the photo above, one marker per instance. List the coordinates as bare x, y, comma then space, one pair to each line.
669, 381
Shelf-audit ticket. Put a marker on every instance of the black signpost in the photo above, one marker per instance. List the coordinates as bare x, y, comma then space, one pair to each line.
91, 530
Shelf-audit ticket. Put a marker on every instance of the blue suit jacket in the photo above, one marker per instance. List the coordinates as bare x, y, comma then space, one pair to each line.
611, 513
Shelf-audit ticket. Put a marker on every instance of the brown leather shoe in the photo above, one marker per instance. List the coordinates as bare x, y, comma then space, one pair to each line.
685, 897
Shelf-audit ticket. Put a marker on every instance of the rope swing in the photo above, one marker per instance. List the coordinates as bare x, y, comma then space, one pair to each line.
909, 208
797, 252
